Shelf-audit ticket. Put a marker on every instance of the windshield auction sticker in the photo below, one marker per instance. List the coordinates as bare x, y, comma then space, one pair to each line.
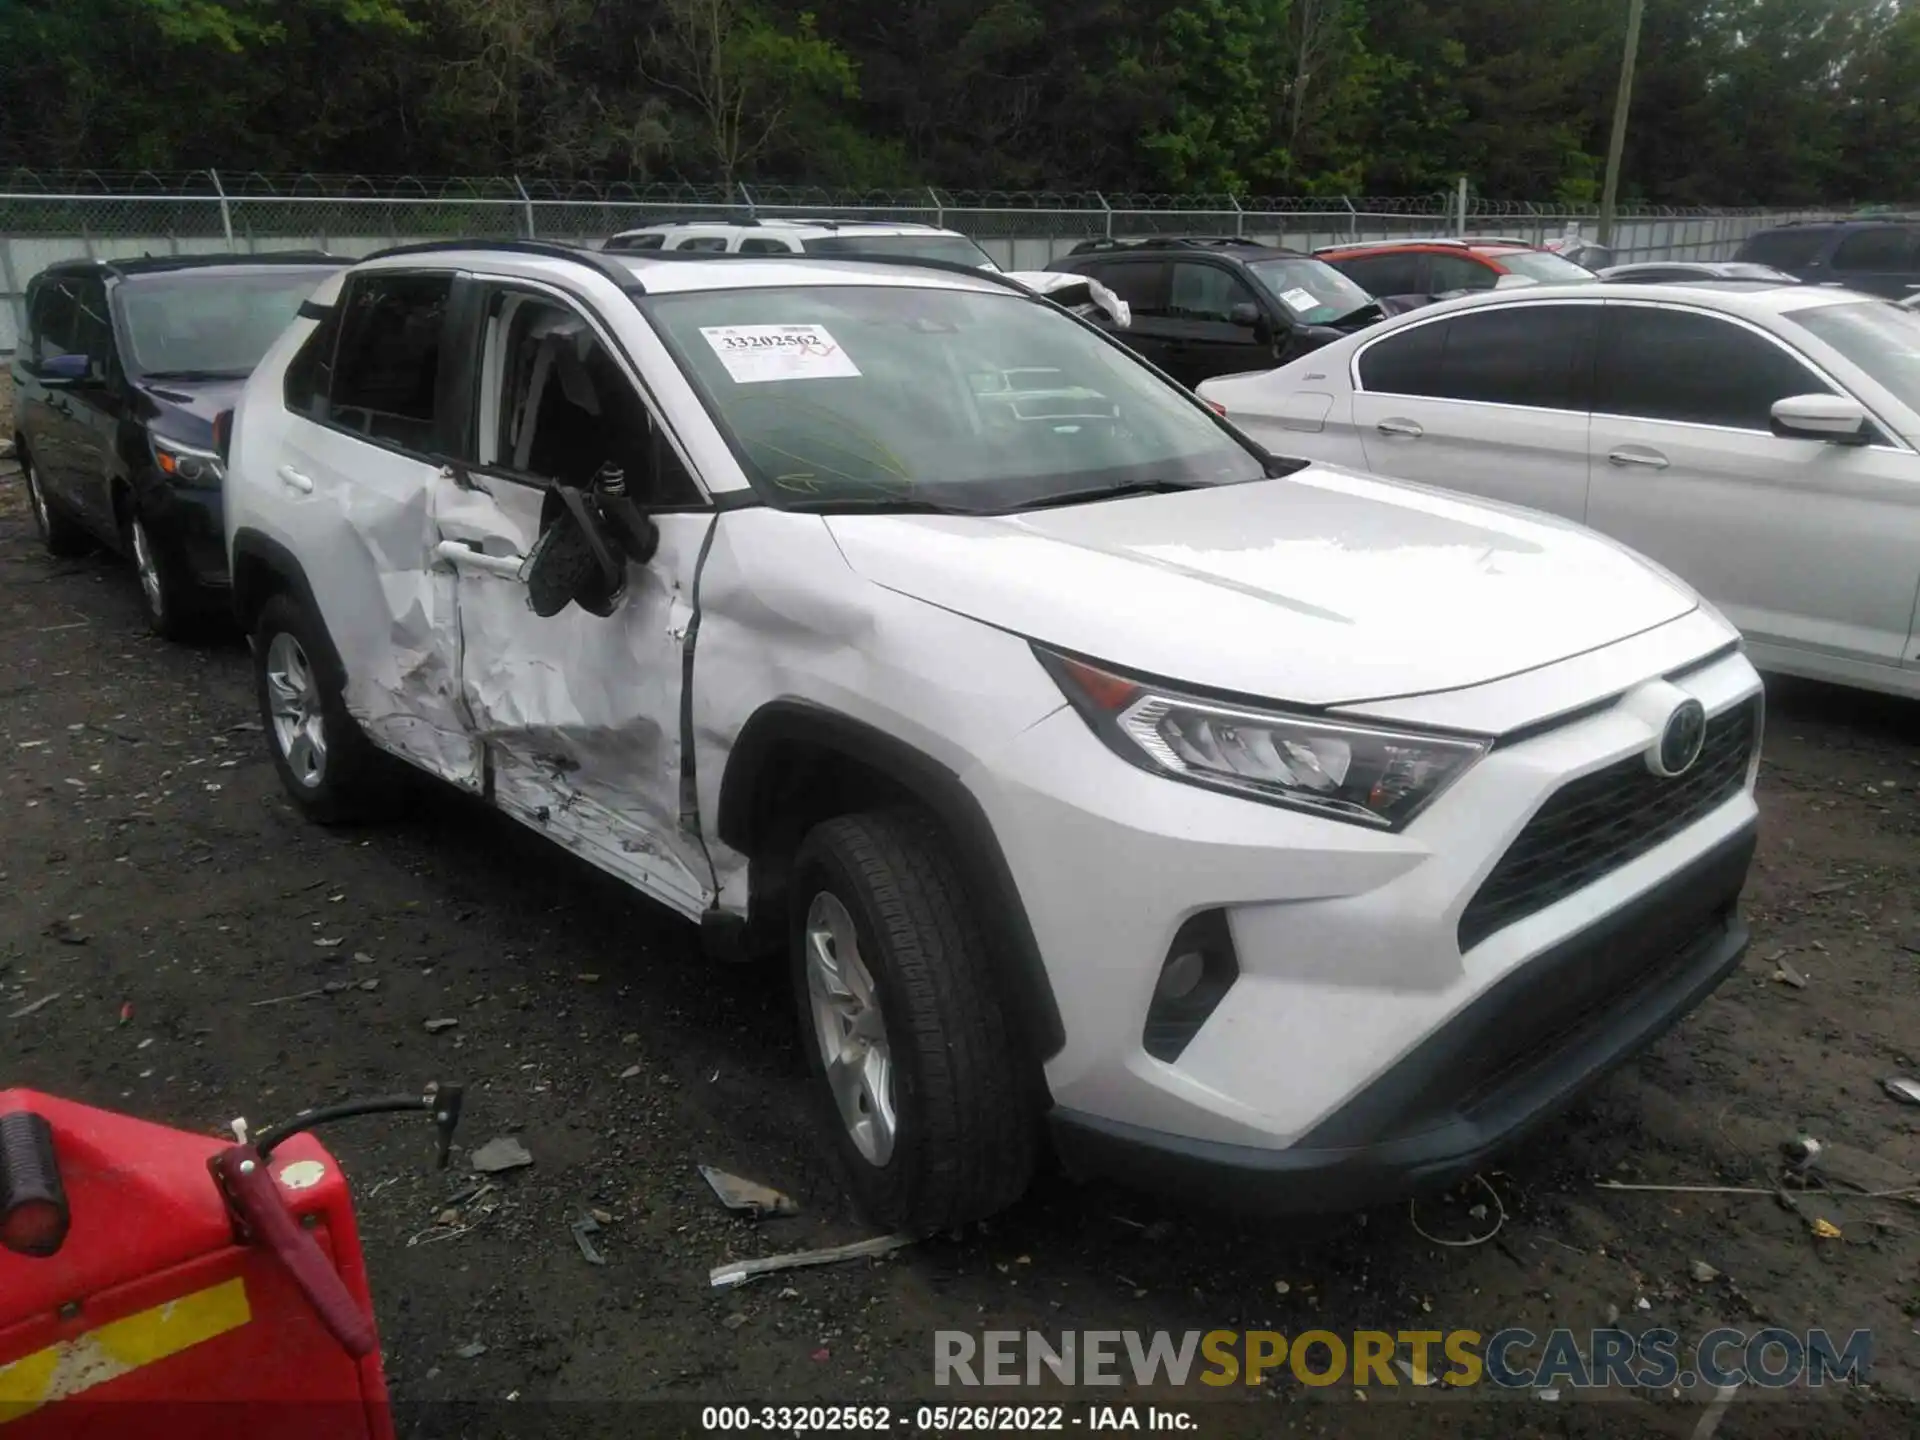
755, 354
1299, 299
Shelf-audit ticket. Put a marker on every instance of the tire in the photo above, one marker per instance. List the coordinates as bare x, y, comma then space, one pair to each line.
330, 769
167, 597
964, 1122
63, 536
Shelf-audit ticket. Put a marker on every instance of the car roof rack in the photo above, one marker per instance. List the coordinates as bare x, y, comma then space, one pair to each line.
1168, 242
1453, 240
1499, 240
156, 264
749, 222
545, 249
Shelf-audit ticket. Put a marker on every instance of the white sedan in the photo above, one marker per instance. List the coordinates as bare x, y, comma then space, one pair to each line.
1763, 442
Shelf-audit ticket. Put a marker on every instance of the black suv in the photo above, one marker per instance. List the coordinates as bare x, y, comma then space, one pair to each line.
1216, 305
1879, 257
125, 369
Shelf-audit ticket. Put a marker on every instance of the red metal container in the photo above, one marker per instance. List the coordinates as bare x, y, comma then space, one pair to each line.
179, 1306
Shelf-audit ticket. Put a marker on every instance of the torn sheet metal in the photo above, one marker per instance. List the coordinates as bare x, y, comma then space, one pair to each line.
369, 532
1082, 294
579, 714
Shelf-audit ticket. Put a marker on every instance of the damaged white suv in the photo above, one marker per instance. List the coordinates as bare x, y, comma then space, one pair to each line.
1269, 834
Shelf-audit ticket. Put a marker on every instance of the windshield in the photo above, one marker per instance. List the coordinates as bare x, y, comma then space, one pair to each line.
957, 248
1545, 269
1880, 337
210, 322
1312, 290
960, 399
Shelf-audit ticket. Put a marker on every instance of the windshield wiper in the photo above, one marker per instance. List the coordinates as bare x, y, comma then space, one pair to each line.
1101, 492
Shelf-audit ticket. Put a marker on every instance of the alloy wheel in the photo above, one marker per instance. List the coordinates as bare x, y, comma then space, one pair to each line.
299, 729
850, 1029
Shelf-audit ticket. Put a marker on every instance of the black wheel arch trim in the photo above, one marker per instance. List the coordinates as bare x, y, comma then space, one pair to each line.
983, 863
251, 548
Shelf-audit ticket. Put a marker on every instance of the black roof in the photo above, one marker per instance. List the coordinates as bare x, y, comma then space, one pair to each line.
1232, 244
158, 264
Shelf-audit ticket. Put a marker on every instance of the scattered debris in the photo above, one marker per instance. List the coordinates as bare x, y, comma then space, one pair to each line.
1703, 1272
1413, 1218
1787, 975
748, 1196
360, 957
1832, 887
448, 1216
369, 984
1802, 1152
324, 944
1824, 1229
471, 1352
1903, 1089
603, 1216
630, 1072
1281, 1287
501, 1153
37, 1006
738, 1272
822, 1355
582, 1228
734, 1321
1688, 1189
434, 1027
126, 1012
1418, 1377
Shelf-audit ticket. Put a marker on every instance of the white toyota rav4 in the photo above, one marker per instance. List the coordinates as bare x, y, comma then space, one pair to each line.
1261, 832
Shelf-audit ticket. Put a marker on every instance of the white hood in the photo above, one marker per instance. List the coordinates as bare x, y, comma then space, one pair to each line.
1321, 588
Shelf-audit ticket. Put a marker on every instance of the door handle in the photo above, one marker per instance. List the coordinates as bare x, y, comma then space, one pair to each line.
294, 480
1409, 428
1634, 455
462, 556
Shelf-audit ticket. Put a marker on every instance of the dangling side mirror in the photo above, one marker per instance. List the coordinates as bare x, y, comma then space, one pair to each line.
587, 538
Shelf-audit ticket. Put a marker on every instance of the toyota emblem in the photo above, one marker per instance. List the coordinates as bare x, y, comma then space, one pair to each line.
1680, 740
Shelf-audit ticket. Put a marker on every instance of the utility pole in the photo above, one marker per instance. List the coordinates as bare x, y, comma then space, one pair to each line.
1610, 194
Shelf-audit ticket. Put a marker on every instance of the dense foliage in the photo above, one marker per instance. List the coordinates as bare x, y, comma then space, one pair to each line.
1739, 101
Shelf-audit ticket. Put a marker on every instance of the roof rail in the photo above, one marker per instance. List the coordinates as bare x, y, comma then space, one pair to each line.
1169, 242
547, 249
749, 221
153, 264
904, 262
1402, 240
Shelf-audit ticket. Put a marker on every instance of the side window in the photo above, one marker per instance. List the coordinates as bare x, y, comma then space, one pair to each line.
761, 245
1884, 249
1407, 363
1788, 248
637, 242
1533, 355
1403, 274
1205, 292
565, 407
701, 242
1658, 364
1457, 272
92, 330
309, 379
387, 369
51, 317
1141, 283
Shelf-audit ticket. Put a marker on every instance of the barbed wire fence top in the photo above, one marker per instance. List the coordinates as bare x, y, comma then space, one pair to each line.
49, 216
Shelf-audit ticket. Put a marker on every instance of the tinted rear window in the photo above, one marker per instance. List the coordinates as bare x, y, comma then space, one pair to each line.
1788, 249
1531, 355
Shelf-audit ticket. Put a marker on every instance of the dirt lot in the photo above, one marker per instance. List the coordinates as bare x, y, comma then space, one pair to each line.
149, 860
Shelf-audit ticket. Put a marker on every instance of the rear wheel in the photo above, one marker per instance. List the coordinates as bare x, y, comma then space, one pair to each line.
327, 765
917, 1074
59, 532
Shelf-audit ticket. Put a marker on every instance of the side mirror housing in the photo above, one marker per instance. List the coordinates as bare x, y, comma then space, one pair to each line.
1838, 419
65, 369
1246, 314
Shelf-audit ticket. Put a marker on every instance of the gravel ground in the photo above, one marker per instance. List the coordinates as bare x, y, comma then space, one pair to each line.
149, 860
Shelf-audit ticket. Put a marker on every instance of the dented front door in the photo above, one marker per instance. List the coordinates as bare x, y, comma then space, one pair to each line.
578, 715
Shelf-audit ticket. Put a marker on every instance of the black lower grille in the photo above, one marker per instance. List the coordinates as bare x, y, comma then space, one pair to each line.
1599, 822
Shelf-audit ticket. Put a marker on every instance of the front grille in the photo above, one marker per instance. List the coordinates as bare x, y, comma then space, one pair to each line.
1596, 824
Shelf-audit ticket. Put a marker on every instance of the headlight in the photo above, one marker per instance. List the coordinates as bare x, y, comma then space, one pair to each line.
185, 464
1368, 776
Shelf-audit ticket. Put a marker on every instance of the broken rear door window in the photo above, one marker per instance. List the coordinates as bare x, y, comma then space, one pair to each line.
387, 369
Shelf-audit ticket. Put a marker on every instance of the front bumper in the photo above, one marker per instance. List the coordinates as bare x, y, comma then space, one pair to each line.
1588, 1003
190, 522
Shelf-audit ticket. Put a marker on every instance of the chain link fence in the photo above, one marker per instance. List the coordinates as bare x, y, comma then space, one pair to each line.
47, 217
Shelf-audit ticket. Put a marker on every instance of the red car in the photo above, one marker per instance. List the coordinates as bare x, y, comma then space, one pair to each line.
1439, 267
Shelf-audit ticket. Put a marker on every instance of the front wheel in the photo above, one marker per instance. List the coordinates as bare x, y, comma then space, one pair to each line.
916, 1070
326, 764
166, 595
